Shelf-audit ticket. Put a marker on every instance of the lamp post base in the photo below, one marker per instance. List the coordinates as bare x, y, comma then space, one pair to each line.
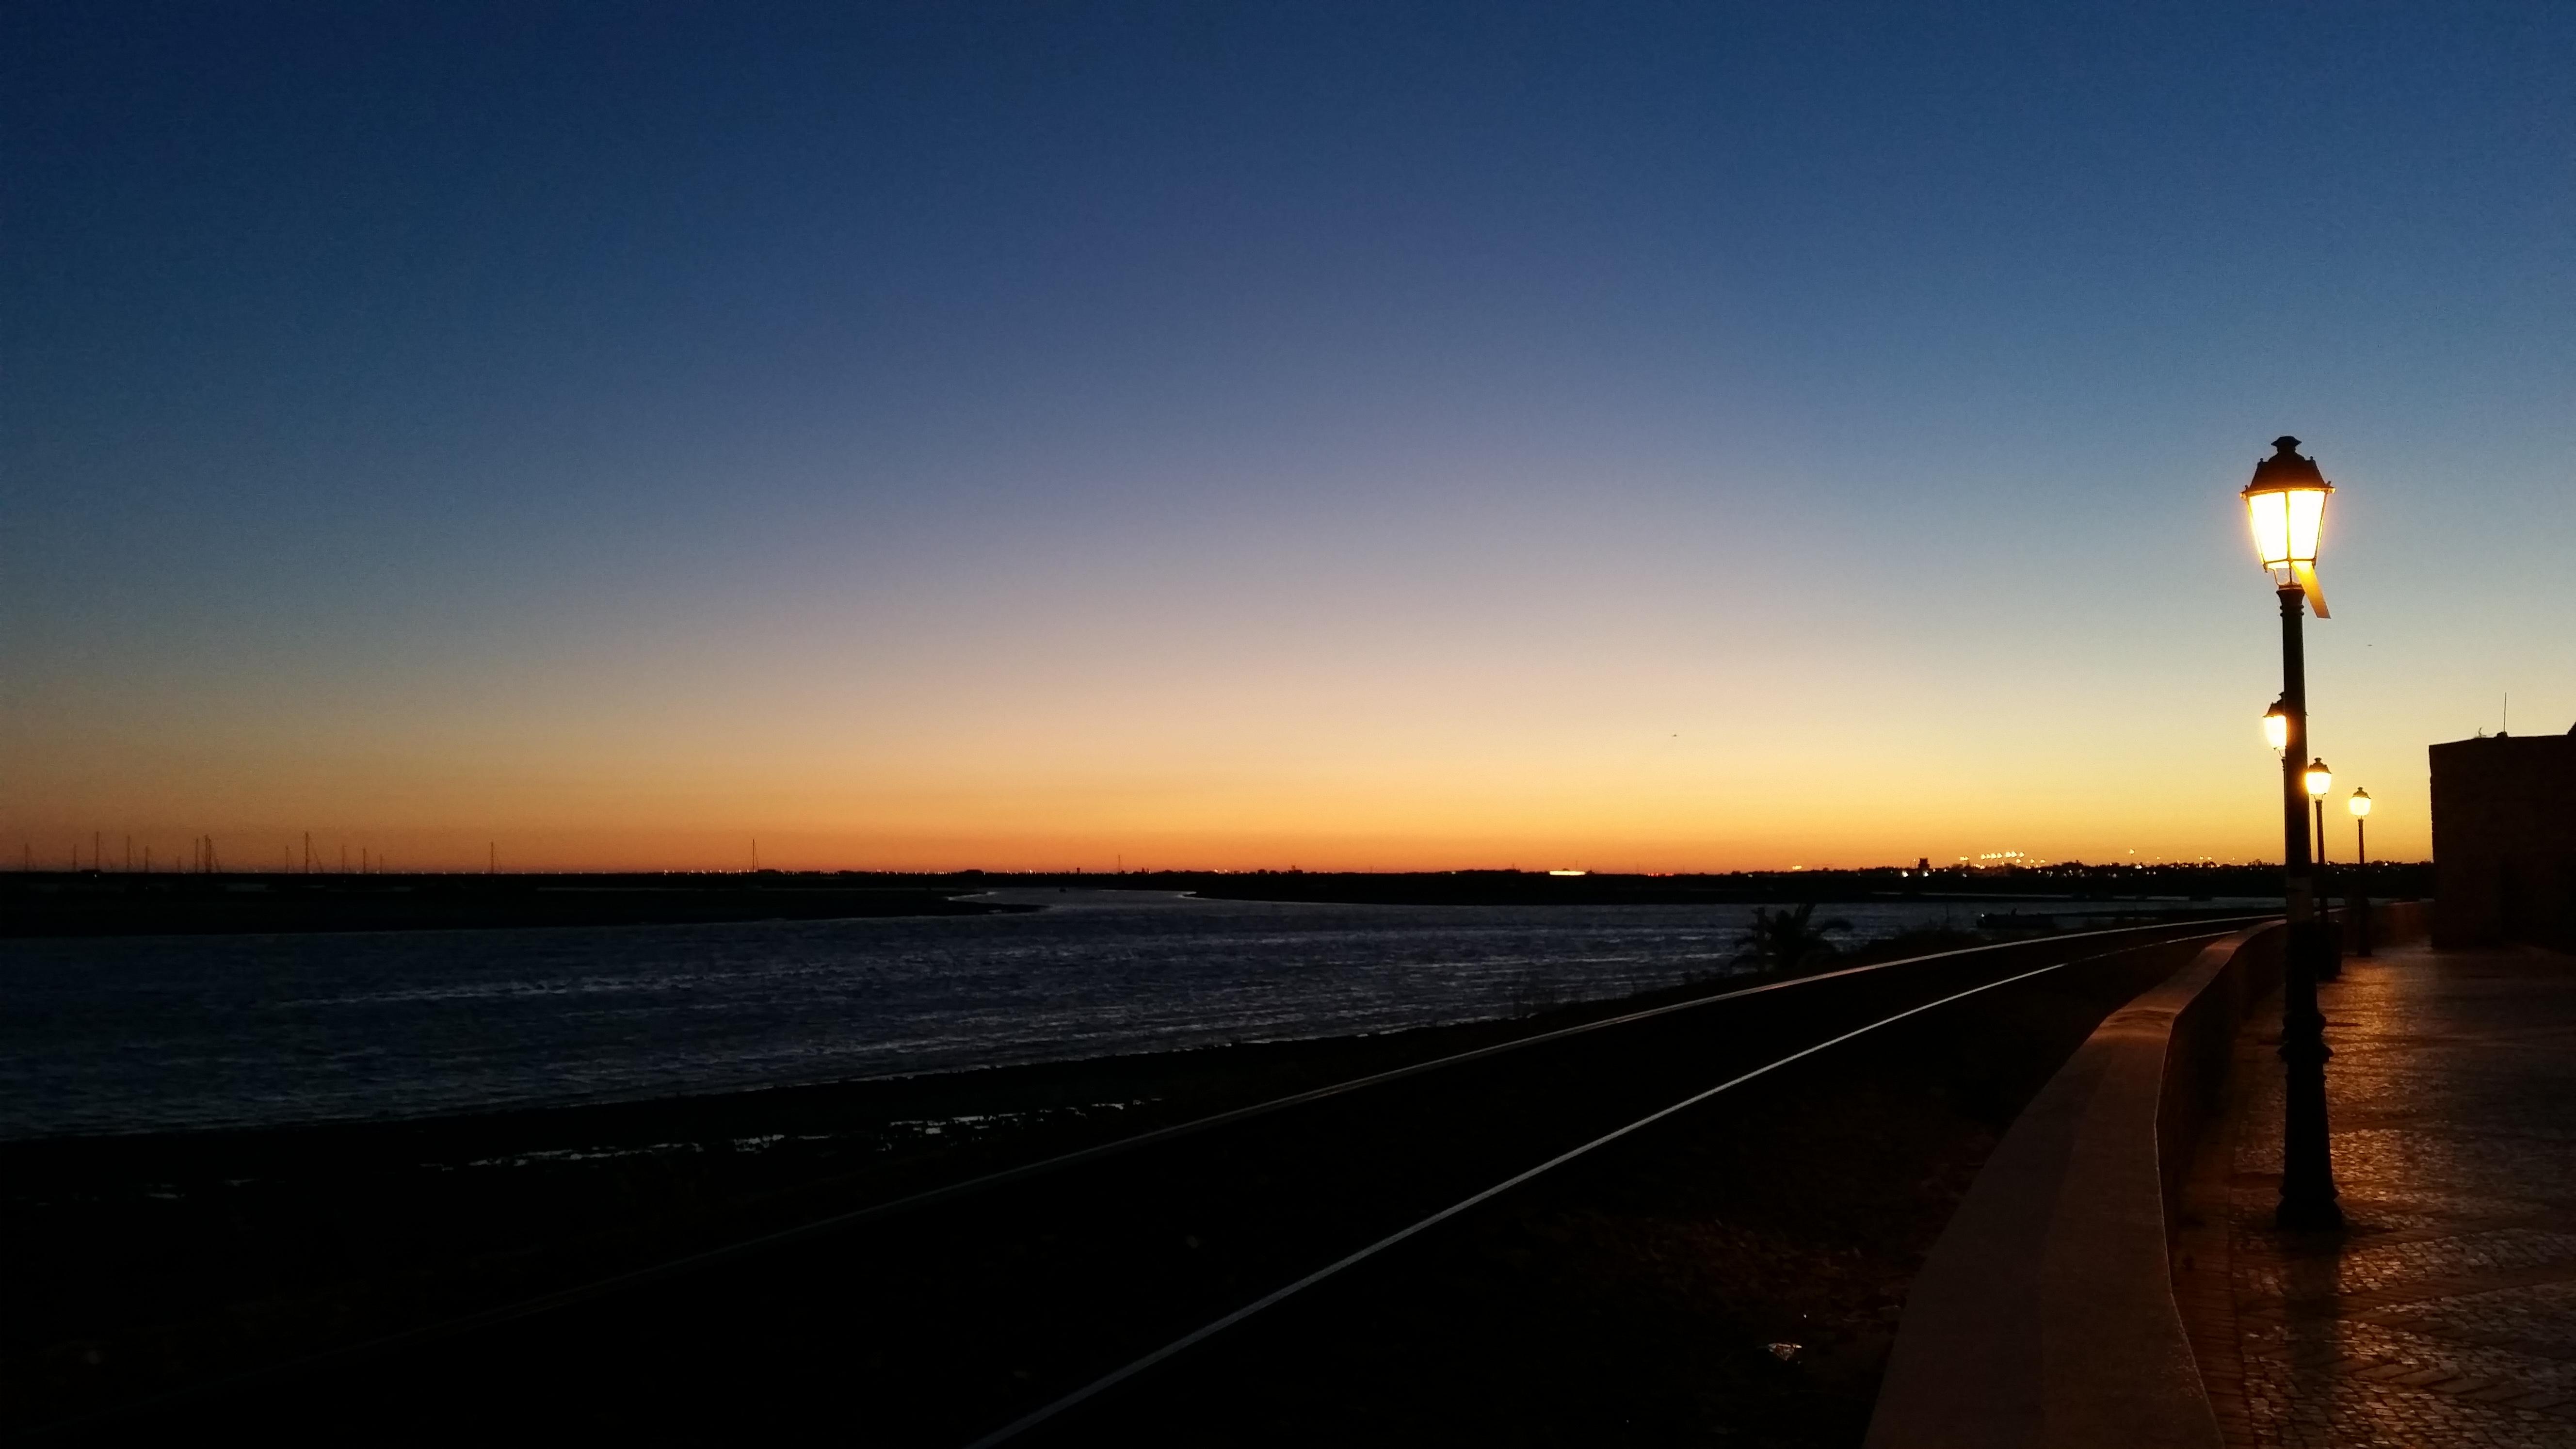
2308, 1196
2324, 1217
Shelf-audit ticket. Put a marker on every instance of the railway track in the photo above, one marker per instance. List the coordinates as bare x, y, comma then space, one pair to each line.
1044, 1302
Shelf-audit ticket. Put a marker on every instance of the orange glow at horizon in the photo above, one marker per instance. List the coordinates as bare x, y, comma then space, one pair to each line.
1765, 799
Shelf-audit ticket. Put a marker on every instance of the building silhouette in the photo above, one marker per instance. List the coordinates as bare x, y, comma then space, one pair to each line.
2504, 840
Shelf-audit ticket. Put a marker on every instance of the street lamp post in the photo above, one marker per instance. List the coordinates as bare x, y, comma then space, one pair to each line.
2357, 900
2319, 780
2286, 504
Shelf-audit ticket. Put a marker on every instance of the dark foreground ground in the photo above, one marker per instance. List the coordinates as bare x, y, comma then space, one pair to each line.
1731, 1279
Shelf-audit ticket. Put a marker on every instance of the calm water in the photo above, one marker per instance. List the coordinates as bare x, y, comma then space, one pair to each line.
194, 1031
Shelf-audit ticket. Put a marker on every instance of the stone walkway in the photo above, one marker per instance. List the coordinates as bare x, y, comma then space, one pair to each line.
2446, 1313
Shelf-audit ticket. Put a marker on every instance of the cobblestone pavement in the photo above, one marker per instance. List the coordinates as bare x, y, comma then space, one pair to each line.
2445, 1314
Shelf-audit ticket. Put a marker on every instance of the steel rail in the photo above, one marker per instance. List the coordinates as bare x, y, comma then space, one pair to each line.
931, 1197
1209, 1330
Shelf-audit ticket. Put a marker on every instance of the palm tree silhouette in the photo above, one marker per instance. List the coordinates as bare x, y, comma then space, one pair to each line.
1789, 939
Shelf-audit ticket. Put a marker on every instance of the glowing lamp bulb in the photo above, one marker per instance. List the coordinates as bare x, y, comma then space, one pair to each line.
2359, 803
2319, 780
2276, 728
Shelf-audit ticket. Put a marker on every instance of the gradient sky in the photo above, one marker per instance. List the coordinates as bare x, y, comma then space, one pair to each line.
1374, 435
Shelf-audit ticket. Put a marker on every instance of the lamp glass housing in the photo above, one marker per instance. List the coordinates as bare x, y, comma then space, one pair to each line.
2360, 803
2276, 729
2287, 521
2319, 780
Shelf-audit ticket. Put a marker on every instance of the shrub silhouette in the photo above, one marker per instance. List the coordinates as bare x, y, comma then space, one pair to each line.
1789, 939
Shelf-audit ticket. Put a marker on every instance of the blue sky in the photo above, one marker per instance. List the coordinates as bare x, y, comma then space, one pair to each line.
1402, 435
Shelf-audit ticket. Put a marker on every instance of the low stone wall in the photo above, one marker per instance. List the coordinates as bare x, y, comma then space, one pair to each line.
2200, 1047
2045, 1314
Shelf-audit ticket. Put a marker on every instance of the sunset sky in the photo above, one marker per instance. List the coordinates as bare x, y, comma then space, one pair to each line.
1677, 437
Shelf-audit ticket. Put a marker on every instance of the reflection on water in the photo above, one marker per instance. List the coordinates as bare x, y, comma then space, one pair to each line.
133, 1034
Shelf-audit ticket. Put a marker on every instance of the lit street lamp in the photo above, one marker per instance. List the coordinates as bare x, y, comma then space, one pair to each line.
2357, 901
2286, 505
2319, 780
2276, 725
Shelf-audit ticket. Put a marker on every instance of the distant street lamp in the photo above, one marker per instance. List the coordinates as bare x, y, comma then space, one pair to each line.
2319, 780
2357, 902
2286, 505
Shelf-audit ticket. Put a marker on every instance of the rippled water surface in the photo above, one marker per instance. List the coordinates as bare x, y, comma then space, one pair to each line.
133, 1034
